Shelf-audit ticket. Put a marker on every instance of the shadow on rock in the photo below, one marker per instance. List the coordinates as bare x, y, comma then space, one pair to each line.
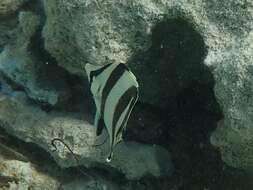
178, 108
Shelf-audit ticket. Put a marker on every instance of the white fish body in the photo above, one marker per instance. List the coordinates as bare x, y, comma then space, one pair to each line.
115, 92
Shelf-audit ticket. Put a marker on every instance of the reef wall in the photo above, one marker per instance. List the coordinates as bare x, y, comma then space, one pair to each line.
121, 31
167, 44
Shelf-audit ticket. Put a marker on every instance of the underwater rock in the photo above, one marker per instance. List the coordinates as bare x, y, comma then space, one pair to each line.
122, 31
234, 91
202, 35
101, 32
98, 184
98, 32
230, 59
27, 122
10, 6
7, 28
142, 160
16, 174
19, 64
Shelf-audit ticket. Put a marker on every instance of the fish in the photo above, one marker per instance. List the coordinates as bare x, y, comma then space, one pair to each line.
115, 92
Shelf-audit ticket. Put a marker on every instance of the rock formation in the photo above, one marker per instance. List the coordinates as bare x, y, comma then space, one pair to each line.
169, 45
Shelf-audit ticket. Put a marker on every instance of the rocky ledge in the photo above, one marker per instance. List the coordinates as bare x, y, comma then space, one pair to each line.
29, 123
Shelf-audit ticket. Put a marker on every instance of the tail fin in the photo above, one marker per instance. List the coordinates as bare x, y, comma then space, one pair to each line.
109, 158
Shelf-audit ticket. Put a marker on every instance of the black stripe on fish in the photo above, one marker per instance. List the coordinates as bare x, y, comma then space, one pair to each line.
98, 72
100, 126
120, 107
133, 102
112, 80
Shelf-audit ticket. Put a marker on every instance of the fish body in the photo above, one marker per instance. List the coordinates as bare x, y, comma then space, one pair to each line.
115, 91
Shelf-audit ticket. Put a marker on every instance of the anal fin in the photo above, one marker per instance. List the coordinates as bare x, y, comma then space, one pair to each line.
100, 126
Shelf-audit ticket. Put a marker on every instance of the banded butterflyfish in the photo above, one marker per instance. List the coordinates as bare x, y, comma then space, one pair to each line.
115, 92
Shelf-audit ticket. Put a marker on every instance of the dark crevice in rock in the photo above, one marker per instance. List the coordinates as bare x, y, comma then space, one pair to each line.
34, 6
42, 160
81, 98
173, 62
178, 108
4, 80
75, 97
182, 84
48, 73
9, 22
36, 155
37, 41
7, 26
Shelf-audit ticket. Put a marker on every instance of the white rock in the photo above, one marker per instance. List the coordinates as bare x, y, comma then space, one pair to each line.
29, 123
